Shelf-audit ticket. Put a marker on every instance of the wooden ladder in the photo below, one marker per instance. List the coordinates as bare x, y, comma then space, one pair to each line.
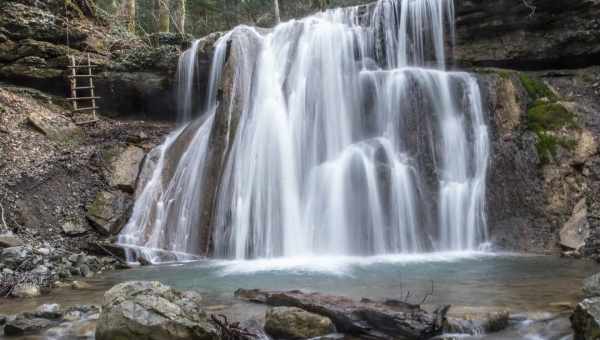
90, 97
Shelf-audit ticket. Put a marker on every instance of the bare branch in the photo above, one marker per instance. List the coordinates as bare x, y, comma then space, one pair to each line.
531, 7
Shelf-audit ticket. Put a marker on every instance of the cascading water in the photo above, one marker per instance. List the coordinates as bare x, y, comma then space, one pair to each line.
344, 135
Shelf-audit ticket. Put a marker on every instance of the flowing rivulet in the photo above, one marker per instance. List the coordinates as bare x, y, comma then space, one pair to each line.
339, 134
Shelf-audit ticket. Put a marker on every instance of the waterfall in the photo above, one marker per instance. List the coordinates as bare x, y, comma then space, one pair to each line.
339, 134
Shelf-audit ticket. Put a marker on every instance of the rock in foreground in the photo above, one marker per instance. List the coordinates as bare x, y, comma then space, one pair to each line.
295, 323
586, 319
152, 311
371, 319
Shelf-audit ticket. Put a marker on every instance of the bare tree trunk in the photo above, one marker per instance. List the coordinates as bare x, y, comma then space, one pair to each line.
277, 15
181, 13
162, 7
131, 15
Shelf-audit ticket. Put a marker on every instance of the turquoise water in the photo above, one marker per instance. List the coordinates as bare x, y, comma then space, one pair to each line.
461, 279
538, 290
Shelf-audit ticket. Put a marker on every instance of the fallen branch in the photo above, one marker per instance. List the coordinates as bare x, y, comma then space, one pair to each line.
230, 331
2, 219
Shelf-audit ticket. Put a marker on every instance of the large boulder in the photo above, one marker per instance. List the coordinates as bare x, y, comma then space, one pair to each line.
152, 311
577, 229
123, 165
295, 323
586, 319
108, 212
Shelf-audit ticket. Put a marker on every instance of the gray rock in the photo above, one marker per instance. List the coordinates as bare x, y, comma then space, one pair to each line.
43, 251
108, 213
585, 321
49, 311
26, 290
40, 270
295, 323
10, 240
2, 319
152, 311
123, 166
591, 286
577, 229
71, 228
56, 127
23, 325
85, 271
14, 256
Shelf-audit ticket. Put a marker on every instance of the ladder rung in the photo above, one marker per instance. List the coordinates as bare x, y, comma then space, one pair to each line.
82, 66
84, 98
87, 122
82, 76
86, 108
84, 87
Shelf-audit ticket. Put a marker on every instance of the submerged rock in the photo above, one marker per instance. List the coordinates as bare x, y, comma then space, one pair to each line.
295, 323
586, 319
151, 310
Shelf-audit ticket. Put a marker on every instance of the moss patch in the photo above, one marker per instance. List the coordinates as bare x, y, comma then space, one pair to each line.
549, 116
545, 115
536, 89
548, 144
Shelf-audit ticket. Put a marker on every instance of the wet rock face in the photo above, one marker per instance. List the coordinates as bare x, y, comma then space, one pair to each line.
539, 34
152, 311
295, 323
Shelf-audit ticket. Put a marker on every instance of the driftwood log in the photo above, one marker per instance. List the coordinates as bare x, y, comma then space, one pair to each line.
366, 318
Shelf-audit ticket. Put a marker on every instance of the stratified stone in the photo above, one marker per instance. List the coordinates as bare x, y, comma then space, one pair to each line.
152, 311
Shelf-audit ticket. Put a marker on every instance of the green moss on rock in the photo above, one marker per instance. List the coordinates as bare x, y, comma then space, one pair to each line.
536, 89
549, 116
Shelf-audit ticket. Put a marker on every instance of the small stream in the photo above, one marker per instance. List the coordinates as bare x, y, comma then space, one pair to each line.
537, 290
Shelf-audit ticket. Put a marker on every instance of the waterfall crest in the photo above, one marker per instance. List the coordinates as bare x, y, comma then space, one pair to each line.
338, 134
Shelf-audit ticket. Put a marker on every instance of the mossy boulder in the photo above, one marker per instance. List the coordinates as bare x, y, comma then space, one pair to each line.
296, 323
